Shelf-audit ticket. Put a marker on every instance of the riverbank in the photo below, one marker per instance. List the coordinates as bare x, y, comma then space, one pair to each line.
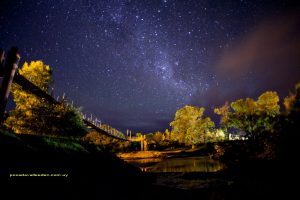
163, 154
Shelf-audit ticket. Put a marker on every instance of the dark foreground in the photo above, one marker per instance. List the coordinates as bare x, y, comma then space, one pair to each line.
254, 181
93, 174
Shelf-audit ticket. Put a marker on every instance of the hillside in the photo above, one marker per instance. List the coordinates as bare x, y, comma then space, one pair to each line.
82, 171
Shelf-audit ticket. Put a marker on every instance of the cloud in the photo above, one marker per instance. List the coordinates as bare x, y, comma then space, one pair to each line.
271, 53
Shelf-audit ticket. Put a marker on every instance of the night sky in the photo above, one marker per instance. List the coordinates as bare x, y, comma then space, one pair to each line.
133, 63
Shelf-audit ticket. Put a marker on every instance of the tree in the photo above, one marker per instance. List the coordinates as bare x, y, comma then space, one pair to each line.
288, 102
223, 111
106, 142
292, 102
62, 120
167, 134
158, 137
184, 119
267, 104
40, 75
243, 115
250, 116
34, 115
138, 134
219, 135
200, 132
189, 126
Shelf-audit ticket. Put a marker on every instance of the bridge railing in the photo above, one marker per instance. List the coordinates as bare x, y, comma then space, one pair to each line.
32, 88
11, 63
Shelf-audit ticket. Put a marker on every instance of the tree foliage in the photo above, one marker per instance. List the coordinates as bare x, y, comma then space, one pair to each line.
251, 116
158, 137
190, 126
34, 115
224, 112
292, 102
107, 143
200, 131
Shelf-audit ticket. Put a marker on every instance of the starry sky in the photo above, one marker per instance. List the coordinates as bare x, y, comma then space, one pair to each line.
133, 63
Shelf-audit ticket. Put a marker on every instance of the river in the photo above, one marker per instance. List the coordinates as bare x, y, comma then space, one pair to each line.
178, 164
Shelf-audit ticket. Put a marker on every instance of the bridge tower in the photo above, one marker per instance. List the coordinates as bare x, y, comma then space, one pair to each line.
10, 68
144, 145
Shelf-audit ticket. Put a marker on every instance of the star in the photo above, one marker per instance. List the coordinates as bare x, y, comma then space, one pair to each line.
136, 62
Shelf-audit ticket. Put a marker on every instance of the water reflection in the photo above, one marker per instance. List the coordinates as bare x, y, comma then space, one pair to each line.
187, 164
191, 164
145, 164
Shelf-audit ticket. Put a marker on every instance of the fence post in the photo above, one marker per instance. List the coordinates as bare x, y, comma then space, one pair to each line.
11, 65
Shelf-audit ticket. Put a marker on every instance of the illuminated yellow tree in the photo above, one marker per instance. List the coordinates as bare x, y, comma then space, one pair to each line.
184, 119
34, 115
200, 131
167, 134
292, 102
267, 104
288, 102
158, 137
253, 117
39, 74
223, 111
189, 126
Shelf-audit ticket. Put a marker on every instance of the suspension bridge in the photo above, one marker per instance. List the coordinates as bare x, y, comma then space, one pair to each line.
10, 64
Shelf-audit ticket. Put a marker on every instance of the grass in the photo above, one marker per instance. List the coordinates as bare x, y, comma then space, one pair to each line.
11, 143
51, 143
17, 144
65, 145
9, 134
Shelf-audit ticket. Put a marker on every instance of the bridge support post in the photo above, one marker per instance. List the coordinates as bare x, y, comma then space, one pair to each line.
11, 65
142, 143
145, 144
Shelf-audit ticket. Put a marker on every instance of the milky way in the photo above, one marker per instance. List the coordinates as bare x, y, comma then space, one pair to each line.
134, 63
